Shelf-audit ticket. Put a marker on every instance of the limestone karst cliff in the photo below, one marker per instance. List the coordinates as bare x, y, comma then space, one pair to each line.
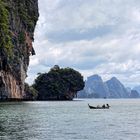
95, 87
57, 84
17, 23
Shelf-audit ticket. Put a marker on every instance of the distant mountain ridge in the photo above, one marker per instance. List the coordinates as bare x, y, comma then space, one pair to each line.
95, 87
137, 88
116, 88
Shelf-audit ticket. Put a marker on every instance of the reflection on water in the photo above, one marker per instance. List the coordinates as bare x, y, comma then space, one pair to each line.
70, 120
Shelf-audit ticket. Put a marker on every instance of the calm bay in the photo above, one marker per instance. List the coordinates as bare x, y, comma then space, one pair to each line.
70, 120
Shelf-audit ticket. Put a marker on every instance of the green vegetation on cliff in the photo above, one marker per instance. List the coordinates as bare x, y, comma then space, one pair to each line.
17, 23
26, 15
5, 34
21, 37
30, 93
58, 84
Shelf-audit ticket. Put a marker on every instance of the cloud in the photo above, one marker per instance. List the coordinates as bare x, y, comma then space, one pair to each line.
100, 36
79, 34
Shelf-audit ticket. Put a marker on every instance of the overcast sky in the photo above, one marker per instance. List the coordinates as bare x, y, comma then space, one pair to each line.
92, 36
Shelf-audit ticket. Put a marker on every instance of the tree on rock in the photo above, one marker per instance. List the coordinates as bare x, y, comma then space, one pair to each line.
30, 93
58, 84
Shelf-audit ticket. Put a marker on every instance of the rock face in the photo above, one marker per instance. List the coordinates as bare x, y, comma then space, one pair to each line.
116, 88
17, 23
137, 88
134, 94
95, 87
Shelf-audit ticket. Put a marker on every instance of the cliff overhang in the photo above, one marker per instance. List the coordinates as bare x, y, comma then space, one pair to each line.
17, 23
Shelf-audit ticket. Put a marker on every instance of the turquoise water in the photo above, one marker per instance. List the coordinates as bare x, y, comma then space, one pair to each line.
70, 120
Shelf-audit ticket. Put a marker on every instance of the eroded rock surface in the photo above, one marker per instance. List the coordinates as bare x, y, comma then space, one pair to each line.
17, 23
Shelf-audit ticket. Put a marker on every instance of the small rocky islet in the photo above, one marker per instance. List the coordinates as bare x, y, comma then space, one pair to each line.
57, 84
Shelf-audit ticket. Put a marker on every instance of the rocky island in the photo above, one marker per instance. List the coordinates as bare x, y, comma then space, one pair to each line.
58, 84
17, 23
95, 87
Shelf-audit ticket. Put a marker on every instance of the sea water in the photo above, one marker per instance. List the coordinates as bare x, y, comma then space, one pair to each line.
70, 120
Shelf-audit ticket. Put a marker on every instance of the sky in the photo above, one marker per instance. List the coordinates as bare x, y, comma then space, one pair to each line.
91, 36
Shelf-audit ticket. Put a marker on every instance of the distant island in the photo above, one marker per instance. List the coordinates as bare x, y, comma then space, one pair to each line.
95, 87
57, 84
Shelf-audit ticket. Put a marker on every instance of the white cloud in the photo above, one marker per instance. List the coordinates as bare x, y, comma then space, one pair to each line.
34, 62
91, 36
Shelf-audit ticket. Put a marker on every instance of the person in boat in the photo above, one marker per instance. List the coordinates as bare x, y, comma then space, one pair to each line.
103, 106
107, 105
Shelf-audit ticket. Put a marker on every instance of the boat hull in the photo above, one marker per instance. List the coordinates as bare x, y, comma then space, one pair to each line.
93, 107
